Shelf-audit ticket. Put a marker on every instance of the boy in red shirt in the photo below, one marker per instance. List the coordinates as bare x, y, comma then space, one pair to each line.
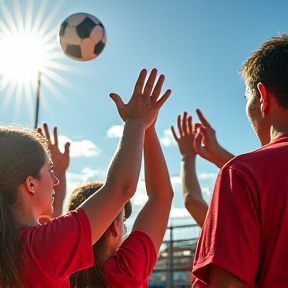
243, 242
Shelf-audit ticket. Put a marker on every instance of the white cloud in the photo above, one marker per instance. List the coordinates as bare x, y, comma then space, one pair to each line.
168, 139
179, 212
207, 176
178, 215
83, 148
115, 131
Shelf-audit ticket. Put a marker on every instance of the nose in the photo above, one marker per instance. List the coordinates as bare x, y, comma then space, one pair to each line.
54, 178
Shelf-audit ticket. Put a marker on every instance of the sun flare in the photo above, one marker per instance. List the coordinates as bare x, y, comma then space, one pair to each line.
22, 56
28, 47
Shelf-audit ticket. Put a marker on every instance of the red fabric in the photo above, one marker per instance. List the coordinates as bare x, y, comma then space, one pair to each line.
133, 264
245, 231
56, 250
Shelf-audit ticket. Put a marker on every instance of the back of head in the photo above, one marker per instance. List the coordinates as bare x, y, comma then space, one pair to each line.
93, 276
269, 65
84, 191
22, 154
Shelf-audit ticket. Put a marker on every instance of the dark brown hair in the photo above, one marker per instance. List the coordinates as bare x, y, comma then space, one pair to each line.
92, 277
22, 154
269, 65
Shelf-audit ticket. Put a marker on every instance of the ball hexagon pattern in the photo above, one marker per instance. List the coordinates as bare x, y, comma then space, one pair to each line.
82, 36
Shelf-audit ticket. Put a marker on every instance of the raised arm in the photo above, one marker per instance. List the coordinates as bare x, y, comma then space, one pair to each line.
61, 164
193, 199
123, 173
153, 217
206, 144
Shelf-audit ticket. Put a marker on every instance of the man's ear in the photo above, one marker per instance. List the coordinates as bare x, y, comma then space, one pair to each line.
30, 185
264, 97
114, 228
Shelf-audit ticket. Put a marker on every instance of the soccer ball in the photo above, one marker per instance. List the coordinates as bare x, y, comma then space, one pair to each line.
82, 37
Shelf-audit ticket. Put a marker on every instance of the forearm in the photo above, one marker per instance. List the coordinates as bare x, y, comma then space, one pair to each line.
191, 188
153, 218
124, 169
60, 193
193, 198
157, 178
221, 157
121, 181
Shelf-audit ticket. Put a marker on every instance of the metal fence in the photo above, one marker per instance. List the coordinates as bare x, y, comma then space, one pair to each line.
174, 264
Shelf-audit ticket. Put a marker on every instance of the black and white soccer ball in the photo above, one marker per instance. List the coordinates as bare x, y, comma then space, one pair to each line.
82, 36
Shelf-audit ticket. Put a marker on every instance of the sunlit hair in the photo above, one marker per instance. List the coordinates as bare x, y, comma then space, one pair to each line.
92, 277
22, 154
269, 65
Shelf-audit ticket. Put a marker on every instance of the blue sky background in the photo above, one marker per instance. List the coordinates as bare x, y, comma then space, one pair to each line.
198, 44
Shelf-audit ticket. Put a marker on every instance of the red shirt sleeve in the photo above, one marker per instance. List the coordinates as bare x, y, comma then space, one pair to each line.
133, 263
62, 246
230, 237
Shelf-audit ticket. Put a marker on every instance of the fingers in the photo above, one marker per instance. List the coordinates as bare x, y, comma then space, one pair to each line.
184, 124
179, 125
39, 130
117, 100
46, 131
202, 118
55, 135
67, 148
158, 87
198, 142
196, 127
163, 99
190, 126
185, 127
150, 83
140, 82
174, 134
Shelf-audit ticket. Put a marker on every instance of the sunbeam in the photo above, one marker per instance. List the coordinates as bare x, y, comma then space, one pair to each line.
28, 46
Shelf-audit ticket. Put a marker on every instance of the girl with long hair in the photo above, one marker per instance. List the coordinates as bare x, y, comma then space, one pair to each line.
34, 255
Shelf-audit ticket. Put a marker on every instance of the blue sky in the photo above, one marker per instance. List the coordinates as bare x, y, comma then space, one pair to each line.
198, 44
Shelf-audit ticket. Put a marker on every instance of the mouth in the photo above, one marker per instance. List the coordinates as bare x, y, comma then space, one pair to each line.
53, 196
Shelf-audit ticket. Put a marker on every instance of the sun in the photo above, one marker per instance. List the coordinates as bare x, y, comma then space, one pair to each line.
22, 56
28, 49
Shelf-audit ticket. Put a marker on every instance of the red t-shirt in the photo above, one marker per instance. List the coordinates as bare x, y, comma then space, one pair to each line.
246, 228
56, 250
133, 264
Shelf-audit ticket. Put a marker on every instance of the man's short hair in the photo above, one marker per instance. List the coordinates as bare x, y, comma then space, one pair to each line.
269, 65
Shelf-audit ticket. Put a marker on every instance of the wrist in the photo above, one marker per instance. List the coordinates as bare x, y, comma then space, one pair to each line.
136, 122
222, 157
188, 156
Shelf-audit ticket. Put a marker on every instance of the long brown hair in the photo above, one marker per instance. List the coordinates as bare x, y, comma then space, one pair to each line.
92, 277
22, 154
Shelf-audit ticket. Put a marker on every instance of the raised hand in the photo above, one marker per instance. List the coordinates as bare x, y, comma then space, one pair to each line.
60, 160
144, 103
206, 144
61, 163
186, 137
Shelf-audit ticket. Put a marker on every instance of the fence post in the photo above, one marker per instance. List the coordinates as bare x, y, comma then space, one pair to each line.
170, 278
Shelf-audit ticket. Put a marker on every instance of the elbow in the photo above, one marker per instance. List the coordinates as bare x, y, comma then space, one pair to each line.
188, 201
127, 190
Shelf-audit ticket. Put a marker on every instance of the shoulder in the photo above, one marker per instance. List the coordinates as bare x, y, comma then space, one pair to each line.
139, 242
136, 256
253, 163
